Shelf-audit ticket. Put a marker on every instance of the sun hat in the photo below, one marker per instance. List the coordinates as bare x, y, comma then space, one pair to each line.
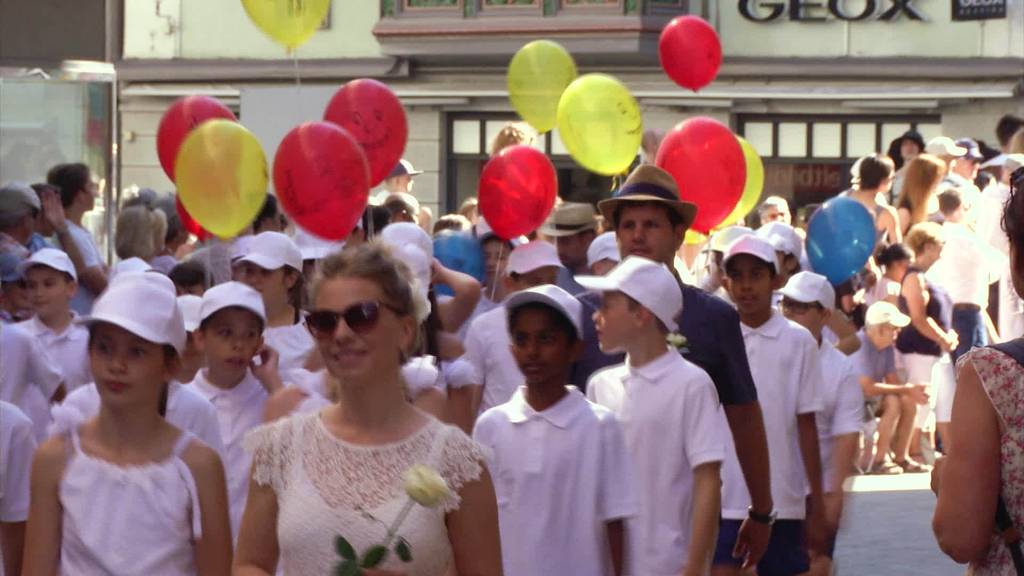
569, 218
649, 184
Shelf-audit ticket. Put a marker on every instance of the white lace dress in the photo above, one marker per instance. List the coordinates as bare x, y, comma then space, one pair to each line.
327, 487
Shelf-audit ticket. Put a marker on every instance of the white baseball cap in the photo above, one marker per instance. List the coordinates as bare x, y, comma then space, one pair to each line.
143, 304
553, 296
131, 265
783, 237
51, 258
273, 250
809, 287
232, 295
885, 313
240, 247
754, 246
604, 247
190, 305
721, 240
404, 233
944, 146
646, 281
18, 198
528, 257
313, 247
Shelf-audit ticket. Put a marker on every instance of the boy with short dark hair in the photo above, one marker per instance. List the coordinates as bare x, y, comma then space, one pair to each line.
189, 277
787, 373
559, 462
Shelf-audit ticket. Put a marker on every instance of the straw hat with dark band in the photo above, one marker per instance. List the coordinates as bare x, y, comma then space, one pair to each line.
649, 183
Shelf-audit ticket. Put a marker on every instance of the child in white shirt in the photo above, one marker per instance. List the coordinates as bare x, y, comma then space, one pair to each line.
28, 378
272, 265
52, 284
17, 444
560, 468
784, 361
127, 492
487, 342
230, 335
673, 422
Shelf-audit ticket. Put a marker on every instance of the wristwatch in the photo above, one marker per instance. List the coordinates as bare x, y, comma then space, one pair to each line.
767, 519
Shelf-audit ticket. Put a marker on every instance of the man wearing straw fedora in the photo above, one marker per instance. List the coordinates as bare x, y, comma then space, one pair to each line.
649, 220
571, 227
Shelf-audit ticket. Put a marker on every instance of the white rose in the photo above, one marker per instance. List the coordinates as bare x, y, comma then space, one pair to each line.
425, 486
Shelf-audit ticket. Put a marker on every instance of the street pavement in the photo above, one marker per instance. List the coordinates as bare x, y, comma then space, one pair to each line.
887, 529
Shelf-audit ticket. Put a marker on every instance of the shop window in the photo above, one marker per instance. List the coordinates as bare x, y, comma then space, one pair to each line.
828, 140
759, 134
860, 140
466, 137
792, 139
891, 132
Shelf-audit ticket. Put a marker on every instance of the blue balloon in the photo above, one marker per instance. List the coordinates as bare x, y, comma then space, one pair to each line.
459, 251
840, 239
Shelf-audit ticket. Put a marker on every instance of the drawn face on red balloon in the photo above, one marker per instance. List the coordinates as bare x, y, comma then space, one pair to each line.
373, 115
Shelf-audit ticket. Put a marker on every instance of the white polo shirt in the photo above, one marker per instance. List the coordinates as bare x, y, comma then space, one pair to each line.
487, 350
787, 373
69, 349
239, 410
673, 423
842, 400
186, 409
293, 344
17, 447
28, 376
559, 476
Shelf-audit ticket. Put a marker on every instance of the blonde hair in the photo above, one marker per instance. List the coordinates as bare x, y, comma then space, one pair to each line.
140, 233
510, 135
923, 175
923, 234
373, 262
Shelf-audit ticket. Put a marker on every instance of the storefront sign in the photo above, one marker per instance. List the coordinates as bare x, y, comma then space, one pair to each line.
849, 10
978, 9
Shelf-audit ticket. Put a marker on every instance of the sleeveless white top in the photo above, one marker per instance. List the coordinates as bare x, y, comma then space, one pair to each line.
327, 487
128, 520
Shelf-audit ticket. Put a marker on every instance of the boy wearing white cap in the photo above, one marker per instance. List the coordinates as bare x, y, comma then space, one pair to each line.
603, 254
784, 361
673, 422
157, 491
487, 341
561, 470
230, 334
272, 266
893, 401
52, 283
809, 299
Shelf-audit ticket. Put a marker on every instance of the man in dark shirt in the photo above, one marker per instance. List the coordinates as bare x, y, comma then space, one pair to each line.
650, 221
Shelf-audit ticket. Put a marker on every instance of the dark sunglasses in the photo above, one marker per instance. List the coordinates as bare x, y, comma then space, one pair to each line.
360, 318
800, 307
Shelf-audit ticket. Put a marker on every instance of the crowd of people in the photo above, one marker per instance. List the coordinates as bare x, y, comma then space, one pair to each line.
603, 399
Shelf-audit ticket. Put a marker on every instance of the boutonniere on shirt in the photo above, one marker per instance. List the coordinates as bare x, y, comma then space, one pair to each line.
425, 487
679, 342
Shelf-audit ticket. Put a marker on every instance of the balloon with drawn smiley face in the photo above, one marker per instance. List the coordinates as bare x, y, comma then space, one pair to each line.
373, 115
599, 123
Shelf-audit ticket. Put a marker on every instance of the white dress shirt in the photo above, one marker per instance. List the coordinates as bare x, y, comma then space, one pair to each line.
69, 349
487, 350
559, 476
239, 410
673, 423
787, 372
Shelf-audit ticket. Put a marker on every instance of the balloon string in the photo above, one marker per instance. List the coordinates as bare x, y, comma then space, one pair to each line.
494, 283
295, 62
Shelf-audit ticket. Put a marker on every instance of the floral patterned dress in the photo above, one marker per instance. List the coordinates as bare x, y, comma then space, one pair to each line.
1003, 380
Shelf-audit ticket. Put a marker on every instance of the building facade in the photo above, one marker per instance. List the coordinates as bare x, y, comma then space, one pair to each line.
811, 84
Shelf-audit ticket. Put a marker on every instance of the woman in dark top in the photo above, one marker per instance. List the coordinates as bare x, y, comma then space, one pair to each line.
929, 335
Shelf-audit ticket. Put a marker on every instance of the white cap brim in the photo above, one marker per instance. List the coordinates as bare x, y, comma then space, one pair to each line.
529, 297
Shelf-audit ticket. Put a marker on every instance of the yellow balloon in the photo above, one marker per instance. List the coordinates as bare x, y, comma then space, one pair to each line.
287, 22
693, 238
537, 76
221, 174
753, 186
599, 123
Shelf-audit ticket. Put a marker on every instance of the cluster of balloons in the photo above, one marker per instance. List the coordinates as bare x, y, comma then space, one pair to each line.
323, 171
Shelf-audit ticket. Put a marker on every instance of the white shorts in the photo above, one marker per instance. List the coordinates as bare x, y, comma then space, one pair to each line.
944, 384
919, 371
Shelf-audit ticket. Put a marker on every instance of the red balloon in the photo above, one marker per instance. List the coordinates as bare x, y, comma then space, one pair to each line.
706, 160
371, 113
517, 191
322, 179
184, 115
190, 224
690, 52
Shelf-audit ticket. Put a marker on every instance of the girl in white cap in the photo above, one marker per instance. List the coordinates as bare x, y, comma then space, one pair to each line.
127, 492
273, 267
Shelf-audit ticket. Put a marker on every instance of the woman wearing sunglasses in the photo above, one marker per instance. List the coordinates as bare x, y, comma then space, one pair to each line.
339, 471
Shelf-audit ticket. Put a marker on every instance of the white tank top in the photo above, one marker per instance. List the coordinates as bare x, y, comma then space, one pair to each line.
128, 520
